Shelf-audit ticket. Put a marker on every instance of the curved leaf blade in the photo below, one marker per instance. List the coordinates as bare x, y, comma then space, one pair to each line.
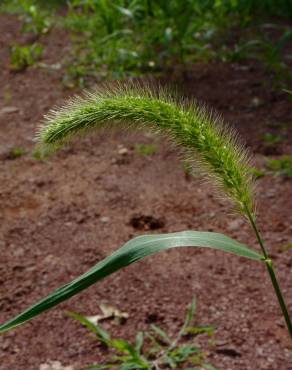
132, 251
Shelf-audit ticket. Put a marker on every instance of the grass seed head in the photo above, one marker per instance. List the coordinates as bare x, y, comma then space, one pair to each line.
201, 134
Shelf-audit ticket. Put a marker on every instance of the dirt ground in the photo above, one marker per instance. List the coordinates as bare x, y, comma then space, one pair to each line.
59, 217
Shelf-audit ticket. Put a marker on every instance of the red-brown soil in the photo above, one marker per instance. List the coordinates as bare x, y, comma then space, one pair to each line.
59, 217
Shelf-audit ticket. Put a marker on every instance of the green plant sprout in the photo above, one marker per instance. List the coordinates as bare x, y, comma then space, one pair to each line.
281, 166
122, 38
205, 141
34, 18
34, 14
22, 57
257, 172
154, 349
145, 150
272, 139
15, 153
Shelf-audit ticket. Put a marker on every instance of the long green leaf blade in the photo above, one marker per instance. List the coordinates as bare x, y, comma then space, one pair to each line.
132, 251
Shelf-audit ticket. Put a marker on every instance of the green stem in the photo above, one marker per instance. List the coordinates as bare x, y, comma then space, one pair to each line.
280, 297
258, 236
269, 265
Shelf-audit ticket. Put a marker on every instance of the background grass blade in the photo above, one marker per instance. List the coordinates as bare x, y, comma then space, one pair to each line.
132, 251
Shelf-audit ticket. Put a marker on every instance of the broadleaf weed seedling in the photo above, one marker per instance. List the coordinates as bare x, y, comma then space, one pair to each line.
204, 140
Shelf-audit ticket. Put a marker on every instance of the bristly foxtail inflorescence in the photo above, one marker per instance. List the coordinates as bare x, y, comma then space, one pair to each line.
200, 134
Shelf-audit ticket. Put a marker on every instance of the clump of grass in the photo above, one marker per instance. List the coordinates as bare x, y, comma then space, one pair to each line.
154, 349
35, 18
36, 15
22, 57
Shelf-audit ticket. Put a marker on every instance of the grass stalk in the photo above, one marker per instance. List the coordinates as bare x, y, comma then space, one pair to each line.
200, 135
279, 294
217, 150
272, 274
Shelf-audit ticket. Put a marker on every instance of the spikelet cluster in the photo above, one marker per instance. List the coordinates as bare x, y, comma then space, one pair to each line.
204, 138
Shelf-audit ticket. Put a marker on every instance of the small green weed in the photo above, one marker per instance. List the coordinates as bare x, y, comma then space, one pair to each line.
281, 166
34, 18
154, 349
238, 52
75, 75
34, 14
145, 149
271, 138
257, 172
271, 54
10, 6
257, 44
39, 155
15, 153
22, 57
